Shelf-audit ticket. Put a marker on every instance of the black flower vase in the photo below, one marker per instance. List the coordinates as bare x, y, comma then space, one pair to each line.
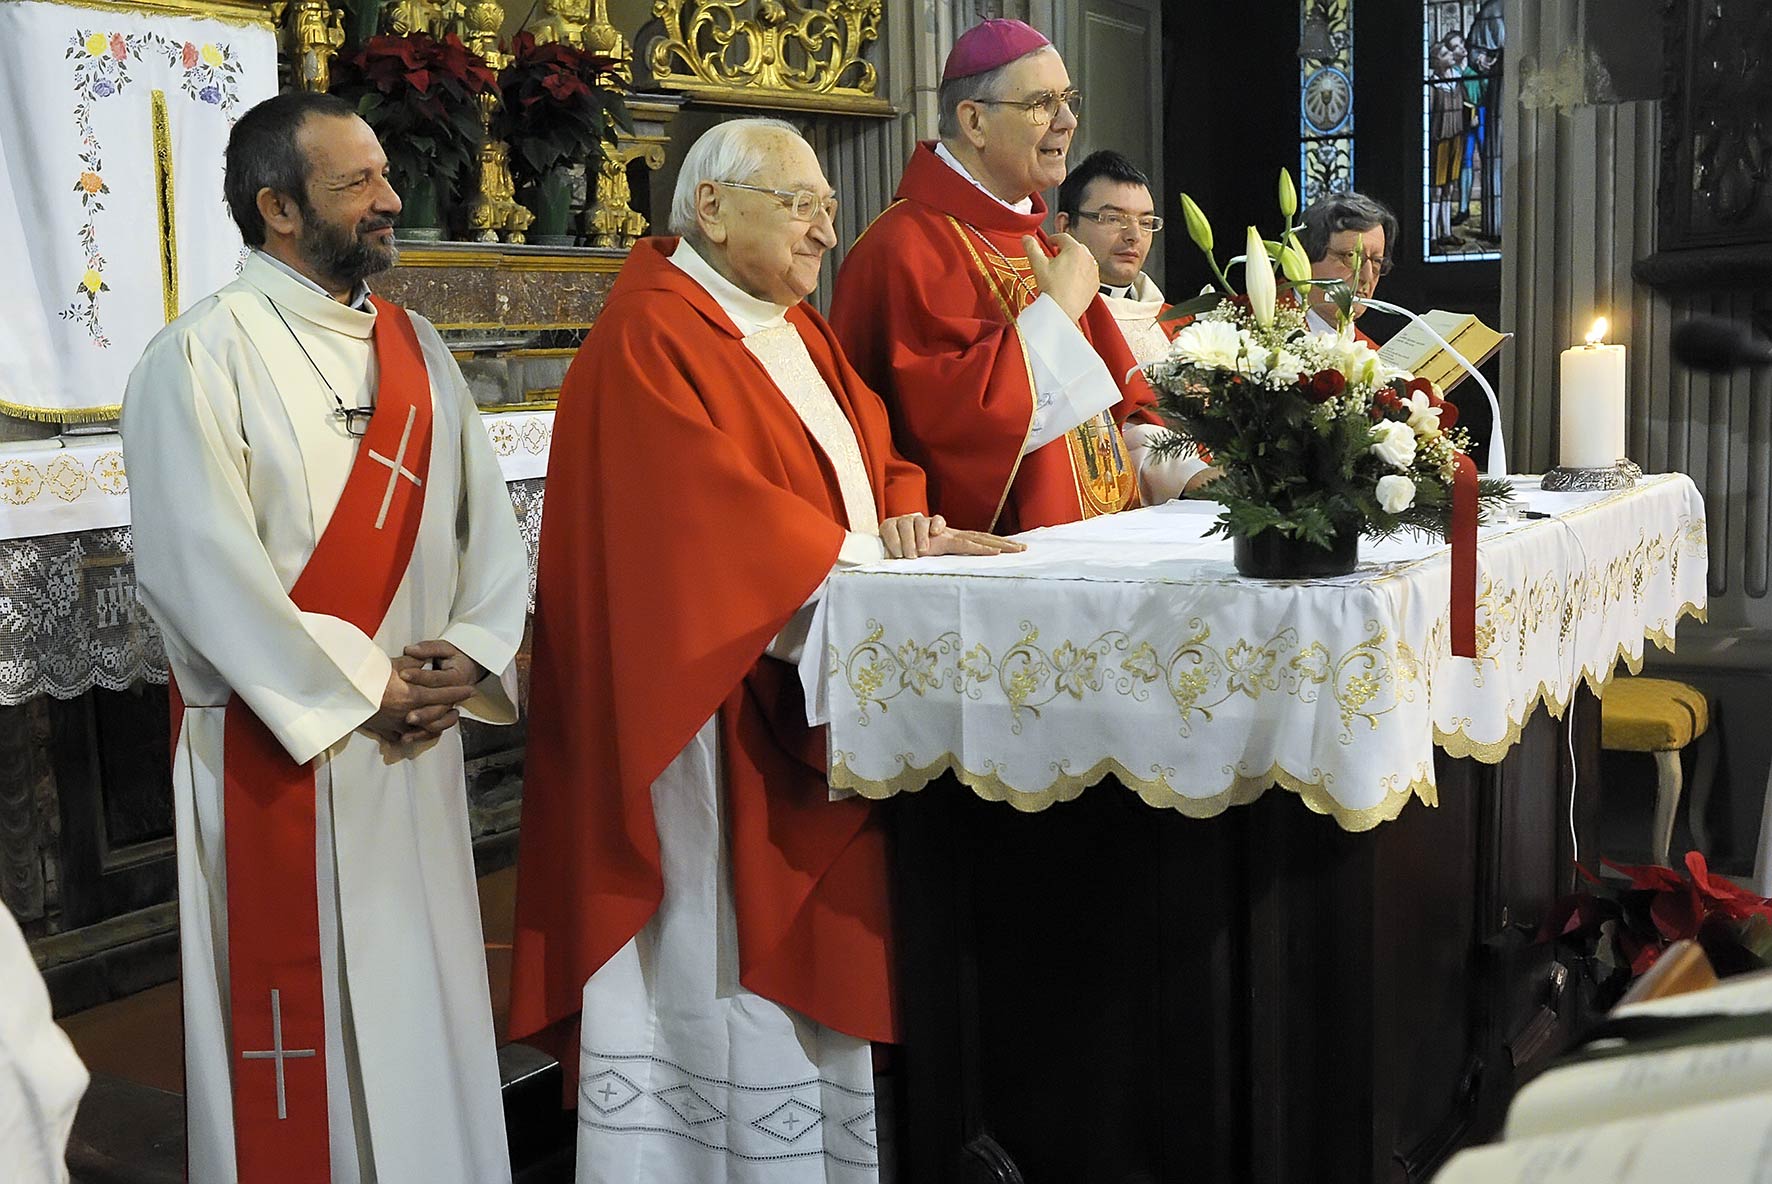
1273, 555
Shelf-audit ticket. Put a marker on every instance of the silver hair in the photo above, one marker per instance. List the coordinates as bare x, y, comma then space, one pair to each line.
725, 152
973, 88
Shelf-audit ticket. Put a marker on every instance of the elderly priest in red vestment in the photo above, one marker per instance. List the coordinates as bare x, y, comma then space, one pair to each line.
324, 536
684, 877
1005, 375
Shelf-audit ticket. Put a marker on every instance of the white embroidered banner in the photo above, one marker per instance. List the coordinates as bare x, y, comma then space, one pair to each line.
112, 221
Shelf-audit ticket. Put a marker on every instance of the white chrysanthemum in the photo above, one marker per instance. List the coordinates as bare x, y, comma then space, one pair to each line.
1394, 443
1211, 345
1395, 493
1285, 369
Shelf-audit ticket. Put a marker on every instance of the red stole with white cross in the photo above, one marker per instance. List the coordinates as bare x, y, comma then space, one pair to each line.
277, 1033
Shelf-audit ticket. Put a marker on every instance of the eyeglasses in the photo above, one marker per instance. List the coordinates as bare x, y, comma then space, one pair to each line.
1353, 260
1041, 109
803, 204
1149, 223
356, 419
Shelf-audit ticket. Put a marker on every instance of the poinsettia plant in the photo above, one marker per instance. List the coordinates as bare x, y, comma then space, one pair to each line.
1317, 437
560, 104
1620, 927
421, 94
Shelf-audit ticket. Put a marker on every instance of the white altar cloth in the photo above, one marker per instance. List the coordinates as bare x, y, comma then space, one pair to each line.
72, 483
1127, 645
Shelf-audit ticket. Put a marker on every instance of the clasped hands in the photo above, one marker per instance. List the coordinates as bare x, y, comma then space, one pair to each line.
429, 680
911, 536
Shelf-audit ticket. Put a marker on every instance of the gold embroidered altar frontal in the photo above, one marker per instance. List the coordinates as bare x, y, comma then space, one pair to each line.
1128, 646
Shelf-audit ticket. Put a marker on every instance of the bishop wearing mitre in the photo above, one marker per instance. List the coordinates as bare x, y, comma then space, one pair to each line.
1005, 374
325, 539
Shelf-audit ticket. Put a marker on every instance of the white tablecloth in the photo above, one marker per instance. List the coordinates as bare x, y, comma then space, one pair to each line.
1129, 646
75, 483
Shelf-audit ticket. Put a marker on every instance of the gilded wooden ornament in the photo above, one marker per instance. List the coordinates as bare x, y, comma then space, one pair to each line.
797, 54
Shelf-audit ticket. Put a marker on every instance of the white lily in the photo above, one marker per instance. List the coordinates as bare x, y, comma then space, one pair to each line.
1258, 275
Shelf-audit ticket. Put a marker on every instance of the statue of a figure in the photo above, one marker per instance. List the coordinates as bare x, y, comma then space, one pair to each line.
564, 21
316, 31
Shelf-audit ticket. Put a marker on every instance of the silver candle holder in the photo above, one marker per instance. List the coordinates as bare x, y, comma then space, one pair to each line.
1620, 474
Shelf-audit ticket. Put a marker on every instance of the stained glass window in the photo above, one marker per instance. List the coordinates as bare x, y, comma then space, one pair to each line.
1462, 44
1325, 97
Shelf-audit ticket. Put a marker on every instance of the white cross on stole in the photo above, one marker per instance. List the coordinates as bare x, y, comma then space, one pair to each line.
396, 468
277, 1052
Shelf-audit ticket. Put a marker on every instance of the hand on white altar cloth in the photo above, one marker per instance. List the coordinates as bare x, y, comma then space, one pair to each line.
914, 536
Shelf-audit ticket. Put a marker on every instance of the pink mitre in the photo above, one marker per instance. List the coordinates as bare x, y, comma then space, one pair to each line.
994, 43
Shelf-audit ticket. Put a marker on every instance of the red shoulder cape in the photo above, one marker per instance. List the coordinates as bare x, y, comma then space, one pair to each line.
689, 516
926, 328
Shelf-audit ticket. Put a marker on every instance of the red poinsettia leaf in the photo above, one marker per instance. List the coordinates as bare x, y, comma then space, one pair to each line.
1645, 958
1677, 914
419, 80
1646, 875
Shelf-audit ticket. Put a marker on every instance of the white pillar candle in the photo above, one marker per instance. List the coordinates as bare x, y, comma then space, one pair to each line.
1590, 423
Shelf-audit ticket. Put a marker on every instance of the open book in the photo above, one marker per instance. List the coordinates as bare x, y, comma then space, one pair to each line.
1699, 1111
1413, 350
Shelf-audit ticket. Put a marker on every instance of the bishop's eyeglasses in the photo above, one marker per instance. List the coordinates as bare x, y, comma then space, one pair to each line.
803, 204
1042, 109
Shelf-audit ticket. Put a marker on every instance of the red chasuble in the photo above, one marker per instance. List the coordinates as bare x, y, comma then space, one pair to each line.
925, 306
690, 515
276, 1018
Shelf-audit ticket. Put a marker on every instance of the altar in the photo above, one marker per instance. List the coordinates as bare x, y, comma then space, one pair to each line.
1301, 947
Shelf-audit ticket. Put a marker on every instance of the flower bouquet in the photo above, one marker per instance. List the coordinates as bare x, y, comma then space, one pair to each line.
1620, 928
421, 95
1318, 440
560, 104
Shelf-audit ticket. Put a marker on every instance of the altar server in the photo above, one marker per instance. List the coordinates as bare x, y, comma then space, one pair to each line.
684, 876
1105, 203
324, 536
1005, 375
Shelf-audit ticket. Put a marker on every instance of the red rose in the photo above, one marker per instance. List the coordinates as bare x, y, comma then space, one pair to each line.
190, 55
119, 49
1324, 385
1385, 403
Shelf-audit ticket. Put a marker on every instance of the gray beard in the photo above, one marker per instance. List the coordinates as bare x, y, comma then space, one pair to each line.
346, 256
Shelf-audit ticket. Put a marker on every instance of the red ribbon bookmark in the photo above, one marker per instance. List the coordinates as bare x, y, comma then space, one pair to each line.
1464, 557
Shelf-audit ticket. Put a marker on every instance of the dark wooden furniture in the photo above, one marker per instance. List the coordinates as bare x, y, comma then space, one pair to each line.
1105, 993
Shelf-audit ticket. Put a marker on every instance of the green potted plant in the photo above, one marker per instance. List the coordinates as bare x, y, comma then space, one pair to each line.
422, 96
560, 105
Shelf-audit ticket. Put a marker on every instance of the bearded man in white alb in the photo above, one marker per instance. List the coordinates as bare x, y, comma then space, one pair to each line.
323, 535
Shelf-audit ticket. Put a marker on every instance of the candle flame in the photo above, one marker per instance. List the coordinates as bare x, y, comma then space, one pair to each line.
1597, 334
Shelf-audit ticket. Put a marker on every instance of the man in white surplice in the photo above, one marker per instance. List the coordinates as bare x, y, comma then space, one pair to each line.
238, 448
685, 879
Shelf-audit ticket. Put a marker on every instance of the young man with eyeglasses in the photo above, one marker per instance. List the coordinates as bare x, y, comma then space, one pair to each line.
1005, 374
1347, 237
323, 534
1105, 204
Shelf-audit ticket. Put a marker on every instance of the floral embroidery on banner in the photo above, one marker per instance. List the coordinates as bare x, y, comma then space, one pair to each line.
207, 73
